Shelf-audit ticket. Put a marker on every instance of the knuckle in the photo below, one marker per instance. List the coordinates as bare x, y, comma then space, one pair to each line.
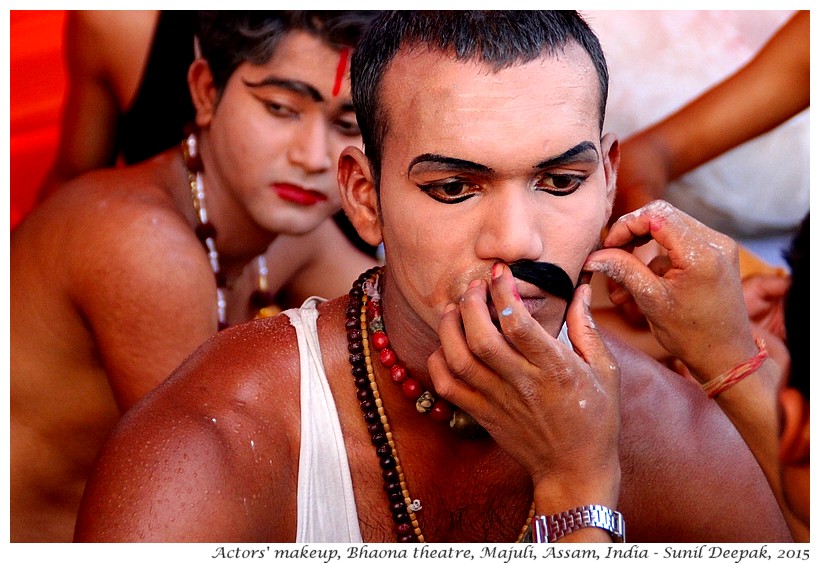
445, 388
485, 348
590, 332
461, 365
660, 207
517, 327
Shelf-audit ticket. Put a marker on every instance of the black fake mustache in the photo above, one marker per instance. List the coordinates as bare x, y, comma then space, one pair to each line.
545, 275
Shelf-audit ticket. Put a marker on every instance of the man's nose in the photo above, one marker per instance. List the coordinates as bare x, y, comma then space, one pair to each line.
511, 228
310, 146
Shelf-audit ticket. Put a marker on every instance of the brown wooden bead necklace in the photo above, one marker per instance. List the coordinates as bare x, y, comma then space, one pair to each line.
364, 299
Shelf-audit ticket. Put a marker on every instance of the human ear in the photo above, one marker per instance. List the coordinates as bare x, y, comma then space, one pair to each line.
203, 91
358, 193
794, 437
611, 151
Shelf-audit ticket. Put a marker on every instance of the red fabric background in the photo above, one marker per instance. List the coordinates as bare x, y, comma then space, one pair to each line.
37, 80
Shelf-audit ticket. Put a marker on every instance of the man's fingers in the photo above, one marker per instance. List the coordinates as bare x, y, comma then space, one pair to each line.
452, 388
517, 324
671, 228
461, 358
623, 268
585, 338
505, 338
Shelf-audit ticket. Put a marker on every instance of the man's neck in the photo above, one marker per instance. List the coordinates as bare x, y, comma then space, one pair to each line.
411, 338
239, 238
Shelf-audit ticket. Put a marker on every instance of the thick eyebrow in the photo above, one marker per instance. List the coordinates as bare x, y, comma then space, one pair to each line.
440, 162
578, 153
296, 86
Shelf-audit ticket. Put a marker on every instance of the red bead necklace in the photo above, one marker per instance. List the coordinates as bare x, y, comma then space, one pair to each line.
402, 508
426, 403
365, 301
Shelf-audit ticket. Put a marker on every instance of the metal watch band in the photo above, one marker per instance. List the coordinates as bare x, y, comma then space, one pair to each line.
549, 529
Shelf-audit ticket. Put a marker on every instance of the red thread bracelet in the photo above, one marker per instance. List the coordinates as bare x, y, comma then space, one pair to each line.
718, 385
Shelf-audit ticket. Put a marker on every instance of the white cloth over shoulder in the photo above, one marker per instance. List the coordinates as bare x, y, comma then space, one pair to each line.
326, 506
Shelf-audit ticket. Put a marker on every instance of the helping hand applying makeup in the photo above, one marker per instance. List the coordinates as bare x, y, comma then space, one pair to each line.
483, 153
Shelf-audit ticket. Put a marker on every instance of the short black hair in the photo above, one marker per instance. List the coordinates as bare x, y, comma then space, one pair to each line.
797, 310
498, 38
228, 38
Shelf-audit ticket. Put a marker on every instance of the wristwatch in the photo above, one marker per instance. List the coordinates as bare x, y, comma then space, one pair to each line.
549, 529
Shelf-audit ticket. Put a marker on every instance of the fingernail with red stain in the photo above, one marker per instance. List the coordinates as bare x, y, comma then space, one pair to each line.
498, 269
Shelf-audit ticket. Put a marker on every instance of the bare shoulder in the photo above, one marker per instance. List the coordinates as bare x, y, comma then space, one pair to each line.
683, 462
116, 188
111, 257
250, 371
213, 448
117, 221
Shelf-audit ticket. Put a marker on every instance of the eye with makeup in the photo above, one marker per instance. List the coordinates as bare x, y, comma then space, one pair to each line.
560, 184
347, 126
278, 109
450, 190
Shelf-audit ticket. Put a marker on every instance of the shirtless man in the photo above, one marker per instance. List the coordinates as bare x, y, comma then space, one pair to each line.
111, 287
310, 427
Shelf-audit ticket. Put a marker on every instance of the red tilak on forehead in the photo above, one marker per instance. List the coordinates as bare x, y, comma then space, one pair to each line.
340, 70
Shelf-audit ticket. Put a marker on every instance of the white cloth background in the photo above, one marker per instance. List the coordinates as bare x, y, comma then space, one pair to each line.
658, 61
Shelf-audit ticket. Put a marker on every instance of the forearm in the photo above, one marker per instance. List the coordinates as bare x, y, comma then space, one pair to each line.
771, 88
556, 495
735, 112
751, 406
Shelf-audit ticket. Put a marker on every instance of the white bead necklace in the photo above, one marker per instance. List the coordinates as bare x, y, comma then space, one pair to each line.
205, 231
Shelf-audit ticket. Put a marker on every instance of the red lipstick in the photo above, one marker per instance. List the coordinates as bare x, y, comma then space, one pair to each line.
298, 195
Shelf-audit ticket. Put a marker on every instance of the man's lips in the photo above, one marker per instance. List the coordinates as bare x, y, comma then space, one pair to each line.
298, 195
